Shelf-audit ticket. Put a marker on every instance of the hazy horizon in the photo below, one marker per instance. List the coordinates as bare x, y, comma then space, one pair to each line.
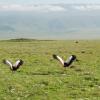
50, 19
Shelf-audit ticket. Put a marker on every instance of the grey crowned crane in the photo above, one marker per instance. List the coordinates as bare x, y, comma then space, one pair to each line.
66, 63
15, 66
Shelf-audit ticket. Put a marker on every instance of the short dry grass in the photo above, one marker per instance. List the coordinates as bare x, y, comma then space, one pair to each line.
43, 78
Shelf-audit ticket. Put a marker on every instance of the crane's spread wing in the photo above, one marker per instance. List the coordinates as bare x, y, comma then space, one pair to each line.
70, 60
18, 63
8, 63
59, 59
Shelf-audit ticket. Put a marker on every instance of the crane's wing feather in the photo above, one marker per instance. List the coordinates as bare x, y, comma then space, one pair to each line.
70, 60
18, 63
59, 59
8, 63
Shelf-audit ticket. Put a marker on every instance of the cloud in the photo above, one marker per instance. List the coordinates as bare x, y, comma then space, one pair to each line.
49, 7
44, 8
88, 7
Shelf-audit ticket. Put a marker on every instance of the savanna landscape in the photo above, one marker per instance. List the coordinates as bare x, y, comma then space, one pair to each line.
35, 34
43, 78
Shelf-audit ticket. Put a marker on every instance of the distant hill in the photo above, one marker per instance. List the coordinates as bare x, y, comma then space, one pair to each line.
76, 21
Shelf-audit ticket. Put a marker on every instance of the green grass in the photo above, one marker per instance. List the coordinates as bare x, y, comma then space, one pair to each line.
43, 78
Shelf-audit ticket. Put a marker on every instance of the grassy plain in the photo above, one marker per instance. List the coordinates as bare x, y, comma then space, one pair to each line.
43, 78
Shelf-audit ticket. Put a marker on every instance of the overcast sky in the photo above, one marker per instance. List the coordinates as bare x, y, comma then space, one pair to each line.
47, 1
28, 5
